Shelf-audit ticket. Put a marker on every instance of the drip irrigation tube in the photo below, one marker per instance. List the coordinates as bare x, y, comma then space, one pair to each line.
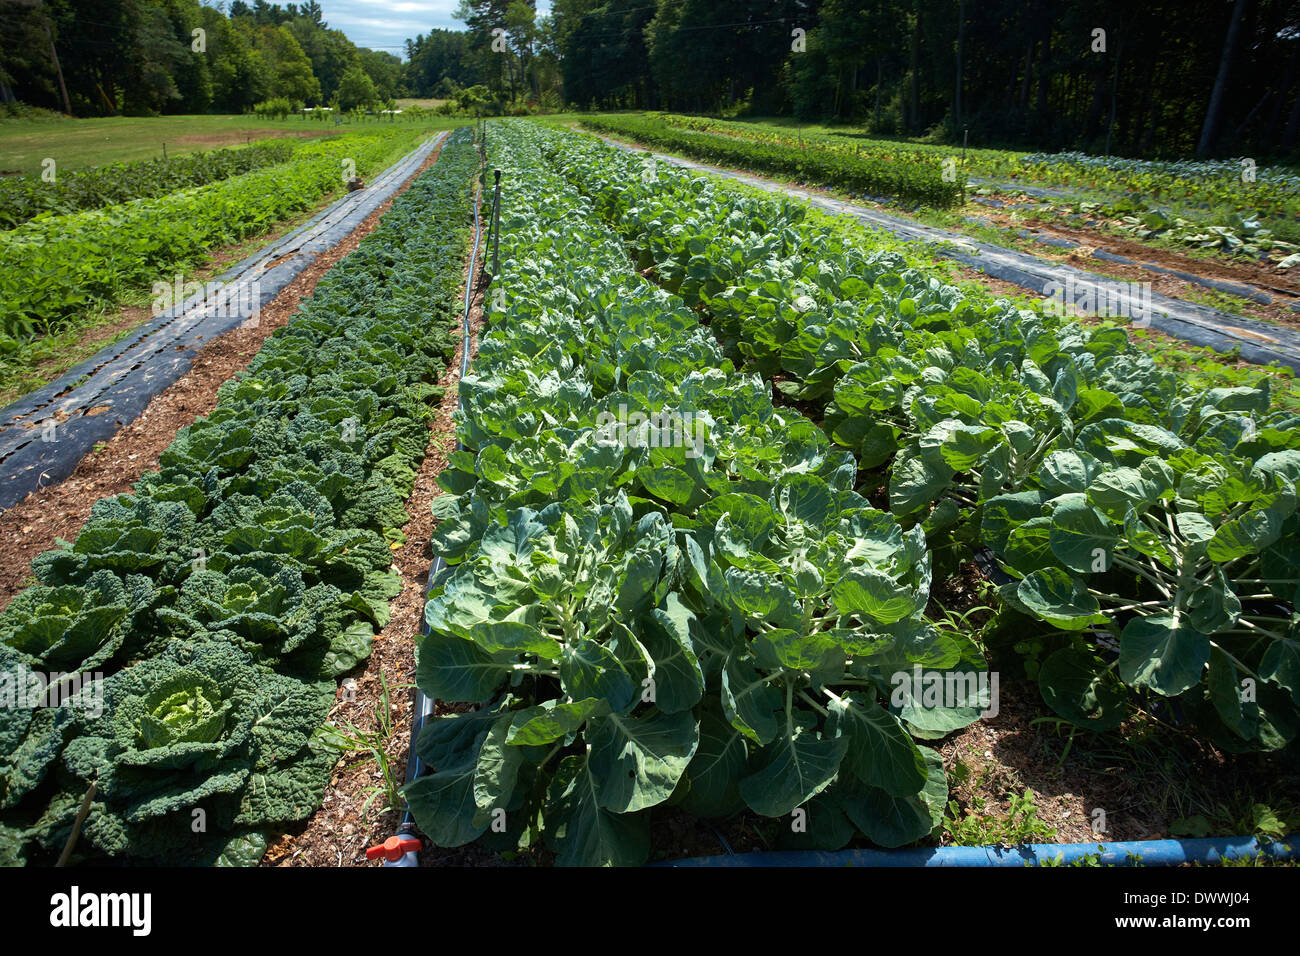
1208, 850
424, 705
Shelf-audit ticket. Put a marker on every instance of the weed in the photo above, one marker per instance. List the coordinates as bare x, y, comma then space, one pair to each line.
374, 744
1019, 824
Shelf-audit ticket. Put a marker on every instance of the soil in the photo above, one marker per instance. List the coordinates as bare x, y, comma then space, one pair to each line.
998, 758
58, 511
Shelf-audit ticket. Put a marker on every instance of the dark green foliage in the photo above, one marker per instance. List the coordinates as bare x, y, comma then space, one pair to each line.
649, 623
59, 266
1134, 508
224, 595
642, 628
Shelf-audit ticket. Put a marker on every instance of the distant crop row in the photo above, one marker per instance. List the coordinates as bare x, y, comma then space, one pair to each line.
26, 197
986, 161
57, 267
1215, 194
224, 596
875, 175
1235, 184
1239, 183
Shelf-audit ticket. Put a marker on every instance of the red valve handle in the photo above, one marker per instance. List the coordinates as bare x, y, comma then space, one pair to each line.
393, 848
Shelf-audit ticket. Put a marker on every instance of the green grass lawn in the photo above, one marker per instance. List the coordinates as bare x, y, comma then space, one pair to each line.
77, 143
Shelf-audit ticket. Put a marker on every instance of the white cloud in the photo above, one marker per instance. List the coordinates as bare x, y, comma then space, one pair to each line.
388, 24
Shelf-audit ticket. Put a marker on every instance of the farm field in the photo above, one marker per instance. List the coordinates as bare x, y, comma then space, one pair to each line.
24, 143
756, 712
89, 265
643, 437
1209, 235
718, 597
810, 532
39, 361
236, 666
747, 514
95, 142
428, 103
1201, 189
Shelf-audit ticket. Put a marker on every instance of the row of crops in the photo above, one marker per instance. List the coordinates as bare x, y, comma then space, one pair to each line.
716, 621
1230, 205
1062, 442
224, 596
920, 180
1272, 191
988, 162
55, 267
1269, 190
26, 197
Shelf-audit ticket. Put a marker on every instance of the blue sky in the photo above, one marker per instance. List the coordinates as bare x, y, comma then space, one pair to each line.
386, 24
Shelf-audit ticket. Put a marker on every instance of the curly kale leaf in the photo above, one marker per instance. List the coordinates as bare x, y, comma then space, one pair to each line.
125, 535
201, 727
77, 627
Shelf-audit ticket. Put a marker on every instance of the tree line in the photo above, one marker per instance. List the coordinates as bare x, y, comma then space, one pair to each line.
142, 57
1157, 78
1160, 78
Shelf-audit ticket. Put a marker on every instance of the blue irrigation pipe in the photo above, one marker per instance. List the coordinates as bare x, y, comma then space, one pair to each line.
423, 704
1206, 850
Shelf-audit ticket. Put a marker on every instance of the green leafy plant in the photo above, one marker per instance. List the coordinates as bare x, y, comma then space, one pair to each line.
57, 266
197, 732
224, 595
1018, 421
643, 627
373, 744
918, 182
1020, 823
25, 198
